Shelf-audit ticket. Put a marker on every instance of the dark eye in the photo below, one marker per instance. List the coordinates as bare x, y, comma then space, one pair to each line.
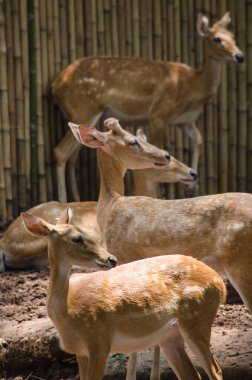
217, 40
134, 143
77, 239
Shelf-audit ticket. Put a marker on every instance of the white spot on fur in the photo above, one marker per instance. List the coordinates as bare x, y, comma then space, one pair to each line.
192, 289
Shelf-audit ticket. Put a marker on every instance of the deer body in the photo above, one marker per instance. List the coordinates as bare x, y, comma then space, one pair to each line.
163, 300
159, 92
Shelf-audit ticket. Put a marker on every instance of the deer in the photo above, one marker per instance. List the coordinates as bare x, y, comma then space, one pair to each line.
140, 90
215, 228
20, 250
165, 300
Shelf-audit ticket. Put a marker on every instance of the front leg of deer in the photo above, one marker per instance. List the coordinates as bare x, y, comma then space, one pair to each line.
155, 370
131, 367
97, 363
83, 367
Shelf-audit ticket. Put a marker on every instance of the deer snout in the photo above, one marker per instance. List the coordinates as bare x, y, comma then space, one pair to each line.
193, 174
239, 58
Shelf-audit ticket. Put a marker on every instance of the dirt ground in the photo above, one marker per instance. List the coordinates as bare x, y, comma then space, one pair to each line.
23, 298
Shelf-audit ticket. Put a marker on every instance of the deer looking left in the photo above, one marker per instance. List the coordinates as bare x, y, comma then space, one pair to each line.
164, 300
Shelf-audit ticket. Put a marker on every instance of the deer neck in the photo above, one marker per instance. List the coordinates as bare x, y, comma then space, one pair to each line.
112, 174
143, 185
210, 74
58, 284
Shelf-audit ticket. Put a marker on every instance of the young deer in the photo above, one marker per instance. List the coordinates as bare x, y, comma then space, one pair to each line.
20, 250
135, 88
164, 300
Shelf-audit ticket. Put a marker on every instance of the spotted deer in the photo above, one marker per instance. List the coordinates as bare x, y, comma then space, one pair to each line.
159, 92
165, 300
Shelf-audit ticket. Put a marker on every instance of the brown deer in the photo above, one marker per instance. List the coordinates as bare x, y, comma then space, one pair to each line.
166, 300
20, 250
162, 93
215, 228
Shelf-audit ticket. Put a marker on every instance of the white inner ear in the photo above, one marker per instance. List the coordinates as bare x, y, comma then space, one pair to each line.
70, 214
202, 25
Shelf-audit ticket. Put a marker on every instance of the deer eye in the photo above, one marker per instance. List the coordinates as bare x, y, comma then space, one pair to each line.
133, 143
77, 239
218, 40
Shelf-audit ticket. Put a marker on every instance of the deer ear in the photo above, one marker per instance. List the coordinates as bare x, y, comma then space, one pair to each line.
87, 136
140, 133
35, 225
202, 25
225, 20
66, 216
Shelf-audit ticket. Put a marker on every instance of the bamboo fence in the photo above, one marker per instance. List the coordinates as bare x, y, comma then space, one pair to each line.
40, 37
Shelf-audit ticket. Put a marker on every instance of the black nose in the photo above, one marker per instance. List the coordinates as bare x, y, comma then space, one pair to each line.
167, 156
4, 344
193, 174
239, 58
112, 260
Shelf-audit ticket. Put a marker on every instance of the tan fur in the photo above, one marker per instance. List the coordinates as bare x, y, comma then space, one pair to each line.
20, 250
138, 89
163, 300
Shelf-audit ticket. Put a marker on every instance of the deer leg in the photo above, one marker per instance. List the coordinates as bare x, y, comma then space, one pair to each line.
174, 350
193, 132
62, 152
131, 367
83, 367
72, 173
196, 333
97, 364
155, 370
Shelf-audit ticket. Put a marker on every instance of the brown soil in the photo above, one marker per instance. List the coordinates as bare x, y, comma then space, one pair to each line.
23, 298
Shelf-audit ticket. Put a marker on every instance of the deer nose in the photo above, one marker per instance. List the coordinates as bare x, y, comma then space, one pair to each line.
4, 344
239, 58
193, 174
112, 260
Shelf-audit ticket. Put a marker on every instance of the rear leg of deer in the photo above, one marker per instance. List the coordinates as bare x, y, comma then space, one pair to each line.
196, 334
62, 152
239, 274
194, 134
174, 350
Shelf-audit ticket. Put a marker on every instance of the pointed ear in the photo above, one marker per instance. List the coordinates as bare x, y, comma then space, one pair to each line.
202, 25
66, 216
225, 20
140, 133
87, 136
35, 225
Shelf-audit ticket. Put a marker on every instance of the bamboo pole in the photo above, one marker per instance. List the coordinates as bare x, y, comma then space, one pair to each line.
5, 188
71, 30
22, 179
129, 43
242, 100
11, 106
115, 42
136, 28
164, 30
157, 30
149, 28
232, 110
122, 28
249, 93
100, 28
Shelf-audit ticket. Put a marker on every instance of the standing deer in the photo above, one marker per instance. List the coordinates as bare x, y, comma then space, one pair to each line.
161, 92
215, 228
166, 300
20, 250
